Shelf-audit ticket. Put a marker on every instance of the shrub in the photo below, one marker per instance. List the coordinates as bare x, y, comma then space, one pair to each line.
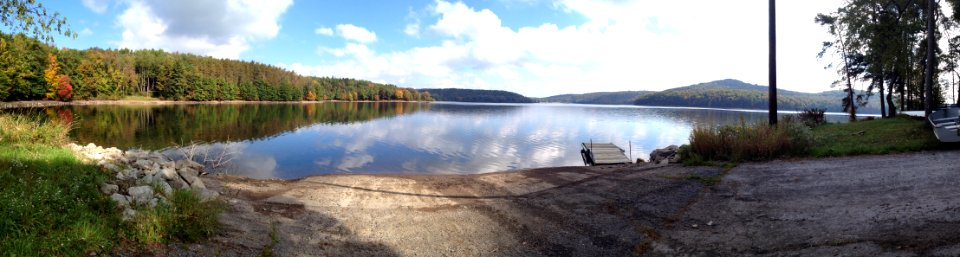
183, 218
20, 129
812, 117
758, 141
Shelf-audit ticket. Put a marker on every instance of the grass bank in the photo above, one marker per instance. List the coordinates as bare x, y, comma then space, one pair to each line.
50, 204
794, 137
880, 136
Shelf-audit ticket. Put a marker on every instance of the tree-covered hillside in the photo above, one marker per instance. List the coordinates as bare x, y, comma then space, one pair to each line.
32, 70
476, 95
739, 95
622, 97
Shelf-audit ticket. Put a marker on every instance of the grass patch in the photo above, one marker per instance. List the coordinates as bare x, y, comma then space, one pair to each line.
20, 129
747, 142
50, 203
274, 240
708, 180
183, 218
880, 136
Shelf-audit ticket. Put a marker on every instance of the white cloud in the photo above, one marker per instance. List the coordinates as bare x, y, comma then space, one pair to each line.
97, 6
412, 29
324, 31
221, 29
85, 32
622, 45
355, 33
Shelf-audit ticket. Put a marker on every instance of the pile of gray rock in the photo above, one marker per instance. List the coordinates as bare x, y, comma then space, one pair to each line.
143, 179
666, 155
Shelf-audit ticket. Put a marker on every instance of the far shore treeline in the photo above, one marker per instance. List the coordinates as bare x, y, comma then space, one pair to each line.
32, 70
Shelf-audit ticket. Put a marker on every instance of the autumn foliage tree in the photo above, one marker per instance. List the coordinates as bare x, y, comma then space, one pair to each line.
64, 89
51, 76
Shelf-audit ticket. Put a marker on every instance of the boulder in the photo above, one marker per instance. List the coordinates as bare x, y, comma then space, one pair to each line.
190, 167
178, 183
207, 194
146, 180
129, 214
109, 189
140, 194
197, 183
167, 189
121, 200
143, 164
167, 173
665, 155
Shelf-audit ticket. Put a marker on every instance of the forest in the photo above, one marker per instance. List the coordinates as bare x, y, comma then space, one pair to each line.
476, 95
879, 49
740, 95
33, 70
622, 98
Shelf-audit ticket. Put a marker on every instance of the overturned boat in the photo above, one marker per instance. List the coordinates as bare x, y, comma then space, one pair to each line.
946, 122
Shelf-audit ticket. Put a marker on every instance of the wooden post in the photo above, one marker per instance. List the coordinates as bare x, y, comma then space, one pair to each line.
772, 95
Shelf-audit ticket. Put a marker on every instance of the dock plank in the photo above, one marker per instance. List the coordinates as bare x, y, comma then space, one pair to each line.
605, 154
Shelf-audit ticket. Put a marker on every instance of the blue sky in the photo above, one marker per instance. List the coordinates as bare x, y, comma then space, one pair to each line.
533, 47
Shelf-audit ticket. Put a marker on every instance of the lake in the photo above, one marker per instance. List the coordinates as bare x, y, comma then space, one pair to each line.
296, 140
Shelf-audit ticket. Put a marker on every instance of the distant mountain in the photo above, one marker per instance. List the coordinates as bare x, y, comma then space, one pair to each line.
737, 94
476, 95
622, 97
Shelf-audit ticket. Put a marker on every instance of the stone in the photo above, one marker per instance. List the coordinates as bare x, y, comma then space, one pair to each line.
152, 170
121, 200
140, 194
152, 203
190, 166
168, 165
91, 146
208, 195
145, 180
178, 183
111, 167
665, 155
129, 214
197, 183
167, 189
168, 173
109, 189
143, 164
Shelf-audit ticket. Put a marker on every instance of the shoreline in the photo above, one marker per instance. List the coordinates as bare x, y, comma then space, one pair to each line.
45, 103
780, 207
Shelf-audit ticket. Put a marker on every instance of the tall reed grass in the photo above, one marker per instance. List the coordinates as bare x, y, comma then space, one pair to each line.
749, 142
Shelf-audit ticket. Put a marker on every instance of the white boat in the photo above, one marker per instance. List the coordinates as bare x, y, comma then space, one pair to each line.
946, 122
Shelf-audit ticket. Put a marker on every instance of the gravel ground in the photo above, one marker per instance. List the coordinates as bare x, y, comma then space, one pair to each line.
897, 205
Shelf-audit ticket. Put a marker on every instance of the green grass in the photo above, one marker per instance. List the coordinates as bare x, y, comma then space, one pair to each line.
880, 136
50, 204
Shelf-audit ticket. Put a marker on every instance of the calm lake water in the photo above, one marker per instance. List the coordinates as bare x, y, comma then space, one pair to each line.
297, 140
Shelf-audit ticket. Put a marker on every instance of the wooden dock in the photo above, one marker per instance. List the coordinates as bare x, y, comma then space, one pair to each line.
603, 154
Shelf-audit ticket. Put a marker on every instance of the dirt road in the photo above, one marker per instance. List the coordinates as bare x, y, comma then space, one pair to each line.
905, 204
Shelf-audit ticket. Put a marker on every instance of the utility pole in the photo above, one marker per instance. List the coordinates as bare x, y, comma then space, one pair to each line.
928, 77
773, 64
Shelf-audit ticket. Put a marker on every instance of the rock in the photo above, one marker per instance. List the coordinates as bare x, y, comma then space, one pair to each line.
207, 195
140, 194
111, 167
168, 173
167, 189
143, 164
145, 180
197, 183
665, 155
129, 214
91, 146
152, 170
109, 189
189, 166
152, 203
121, 200
168, 165
130, 174
710, 223
178, 183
